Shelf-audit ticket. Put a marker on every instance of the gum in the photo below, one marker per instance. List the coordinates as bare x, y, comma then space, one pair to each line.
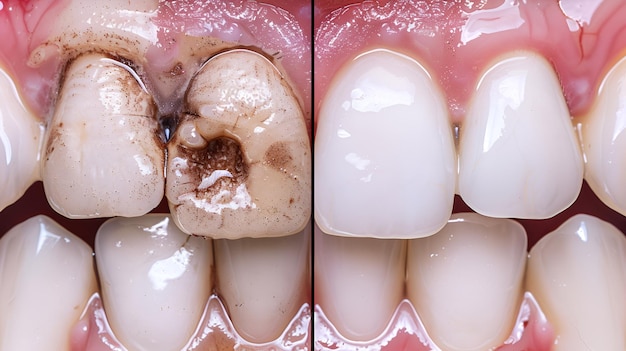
272, 29
405, 332
457, 42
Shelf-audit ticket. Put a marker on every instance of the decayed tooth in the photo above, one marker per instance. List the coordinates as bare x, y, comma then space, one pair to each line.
466, 281
263, 282
384, 154
604, 140
155, 281
20, 137
47, 276
578, 275
358, 282
518, 154
239, 162
104, 156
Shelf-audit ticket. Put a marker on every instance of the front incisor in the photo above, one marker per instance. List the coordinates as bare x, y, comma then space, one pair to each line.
104, 155
239, 163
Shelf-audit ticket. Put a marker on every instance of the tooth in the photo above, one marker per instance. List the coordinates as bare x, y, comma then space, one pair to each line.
578, 275
263, 282
47, 277
359, 282
384, 154
155, 281
466, 281
103, 153
239, 163
20, 136
604, 140
518, 155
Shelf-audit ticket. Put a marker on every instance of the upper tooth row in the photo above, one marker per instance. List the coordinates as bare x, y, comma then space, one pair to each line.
238, 166
386, 163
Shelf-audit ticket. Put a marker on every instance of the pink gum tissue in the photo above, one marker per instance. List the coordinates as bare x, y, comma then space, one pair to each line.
580, 38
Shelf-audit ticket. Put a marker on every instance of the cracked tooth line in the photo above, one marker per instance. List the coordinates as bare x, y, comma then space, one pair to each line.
382, 125
155, 280
239, 163
47, 276
577, 273
466, 281
104, 156
518, 154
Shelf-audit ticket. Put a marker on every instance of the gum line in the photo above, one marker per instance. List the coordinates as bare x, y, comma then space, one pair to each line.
34, 60
456, 42
214, 332
406, 332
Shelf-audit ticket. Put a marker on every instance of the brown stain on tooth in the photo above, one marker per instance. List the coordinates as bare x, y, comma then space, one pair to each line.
278, 156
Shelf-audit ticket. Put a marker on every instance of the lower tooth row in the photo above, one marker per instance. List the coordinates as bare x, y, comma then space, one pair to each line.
155, 282
238, 166
466, 283
383, 137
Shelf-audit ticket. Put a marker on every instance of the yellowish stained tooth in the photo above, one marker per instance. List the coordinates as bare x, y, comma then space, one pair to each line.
104, 156
47, 277
155, 281
466, 281
578, 275
20, 136
385, 164
518, 154
604, 140
239, 163
263, 282
358, 282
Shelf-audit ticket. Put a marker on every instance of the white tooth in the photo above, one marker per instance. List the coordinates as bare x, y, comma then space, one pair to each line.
263, 282
578, 275
466, 281
47, 276
358, 282
239, 163
20, 137
155, 281
384, 154
518, 154
604, 140
103, 154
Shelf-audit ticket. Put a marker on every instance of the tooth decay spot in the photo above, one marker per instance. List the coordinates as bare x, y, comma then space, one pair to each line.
278, 156
221, 155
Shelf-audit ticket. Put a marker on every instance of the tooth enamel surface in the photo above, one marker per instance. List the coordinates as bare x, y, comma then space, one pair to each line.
155, 281
103, 153
466, 281
518, 155
239, 162
358, 282
604, 140
578, 275
20, 137
262, 282
384, 153
47, 276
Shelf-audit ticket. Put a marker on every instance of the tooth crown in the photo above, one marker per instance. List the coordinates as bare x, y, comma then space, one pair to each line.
103, 154
239, 163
